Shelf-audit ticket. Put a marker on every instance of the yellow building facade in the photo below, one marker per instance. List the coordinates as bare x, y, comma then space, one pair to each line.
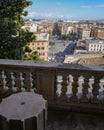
41, 45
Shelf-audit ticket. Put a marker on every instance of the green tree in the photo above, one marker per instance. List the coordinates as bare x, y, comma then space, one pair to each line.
66, 37
51, 43
14, 40
33, 56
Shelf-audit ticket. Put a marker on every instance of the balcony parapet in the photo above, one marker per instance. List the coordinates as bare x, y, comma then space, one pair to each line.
69, 86
50, 65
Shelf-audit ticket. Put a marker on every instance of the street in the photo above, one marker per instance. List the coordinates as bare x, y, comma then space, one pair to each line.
60, 48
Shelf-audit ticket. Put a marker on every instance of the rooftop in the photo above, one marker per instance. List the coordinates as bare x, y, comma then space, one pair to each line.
42, 36
97, 40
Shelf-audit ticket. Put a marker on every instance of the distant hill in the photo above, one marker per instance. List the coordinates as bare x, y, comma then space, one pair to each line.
100, 20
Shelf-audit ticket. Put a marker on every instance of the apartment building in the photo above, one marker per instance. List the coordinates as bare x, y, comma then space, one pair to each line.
98, 32
67, 30
41, 45
95, 45
32, 26
88, 58
83, 33
46, 26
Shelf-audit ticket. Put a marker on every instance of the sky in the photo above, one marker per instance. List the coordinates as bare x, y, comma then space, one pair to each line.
66, 9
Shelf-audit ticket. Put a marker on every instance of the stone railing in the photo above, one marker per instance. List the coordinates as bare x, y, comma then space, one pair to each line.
68, 86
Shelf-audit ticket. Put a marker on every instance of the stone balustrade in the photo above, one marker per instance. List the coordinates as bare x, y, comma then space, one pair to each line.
69, 86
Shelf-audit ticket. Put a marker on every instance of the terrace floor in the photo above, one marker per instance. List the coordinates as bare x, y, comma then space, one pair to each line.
65, 120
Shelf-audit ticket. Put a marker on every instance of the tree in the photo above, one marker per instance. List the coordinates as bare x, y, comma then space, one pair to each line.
33, 56
51, 43
14, 40
66, 36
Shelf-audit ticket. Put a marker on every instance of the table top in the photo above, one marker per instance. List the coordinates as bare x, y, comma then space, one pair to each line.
22, 105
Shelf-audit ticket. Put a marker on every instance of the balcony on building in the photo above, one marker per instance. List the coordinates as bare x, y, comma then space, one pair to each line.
74, 92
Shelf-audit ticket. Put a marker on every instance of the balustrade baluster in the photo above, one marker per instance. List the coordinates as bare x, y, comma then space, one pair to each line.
4, 77
14, 88
9, 80
90, 89
28, 81
69, 91
31, 82
22, 81
18, 81
59, 85
79, 94
100, 96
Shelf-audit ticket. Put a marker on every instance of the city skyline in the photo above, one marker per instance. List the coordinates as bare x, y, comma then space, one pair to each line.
60, 9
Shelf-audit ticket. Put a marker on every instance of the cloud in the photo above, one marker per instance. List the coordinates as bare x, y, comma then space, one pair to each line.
38, 14
86, 6
47, 15
92, 6
100, 6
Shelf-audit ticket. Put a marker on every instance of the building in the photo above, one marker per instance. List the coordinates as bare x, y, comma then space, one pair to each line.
89, 59
31, 26
46, 26
98, 32
83, 33
57, 29
41, 45
95, 45
67, 30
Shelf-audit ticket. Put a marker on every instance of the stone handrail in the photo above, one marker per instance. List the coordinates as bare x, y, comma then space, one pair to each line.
69, 86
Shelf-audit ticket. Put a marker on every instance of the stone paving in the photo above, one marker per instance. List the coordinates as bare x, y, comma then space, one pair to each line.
64, 120
60, 49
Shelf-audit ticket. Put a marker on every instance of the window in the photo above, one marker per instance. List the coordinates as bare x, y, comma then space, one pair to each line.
42, 48
33, 48
38, 48
32, 44
43, 53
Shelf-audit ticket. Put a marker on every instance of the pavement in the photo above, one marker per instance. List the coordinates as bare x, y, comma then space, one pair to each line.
66, 120
60, 49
